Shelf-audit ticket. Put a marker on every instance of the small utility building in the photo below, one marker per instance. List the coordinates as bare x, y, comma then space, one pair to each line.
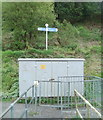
45, 69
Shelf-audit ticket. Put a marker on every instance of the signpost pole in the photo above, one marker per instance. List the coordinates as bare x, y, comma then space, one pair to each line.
47, 29
46, 36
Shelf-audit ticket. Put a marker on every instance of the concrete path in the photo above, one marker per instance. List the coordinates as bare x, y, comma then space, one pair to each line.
44, 111
39, 112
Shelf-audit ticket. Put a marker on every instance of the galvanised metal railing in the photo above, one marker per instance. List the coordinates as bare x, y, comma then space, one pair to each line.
24, 113
78, 96
88, 86
60, 94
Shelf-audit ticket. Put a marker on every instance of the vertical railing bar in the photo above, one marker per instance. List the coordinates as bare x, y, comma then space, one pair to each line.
53, 96
76, 102
12, 111
35, 98
90, 92
93, 93
44, 92
40, 93
58, 93
68, 94
73, 85
26, 105
63, 95
46, 97
33, 94
66, 97
61, 98
97, 93
50, 92
56, 96
88, 111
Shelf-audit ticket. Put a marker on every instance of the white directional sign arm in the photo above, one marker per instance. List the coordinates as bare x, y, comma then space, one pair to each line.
47, 30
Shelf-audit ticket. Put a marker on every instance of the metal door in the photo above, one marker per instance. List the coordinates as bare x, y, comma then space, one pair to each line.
49, 71
59, 68
43, 73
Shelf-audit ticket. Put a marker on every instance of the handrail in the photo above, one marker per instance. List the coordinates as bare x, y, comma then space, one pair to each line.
10, 107
70, 81
80, 76
87, 103
79, 113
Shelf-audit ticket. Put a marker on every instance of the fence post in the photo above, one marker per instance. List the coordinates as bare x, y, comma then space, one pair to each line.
76, 102
12, 111
68, 93
40, 93
35, 98
61, 98
26, 109
36, 83
58, 93
33, 94
88, 111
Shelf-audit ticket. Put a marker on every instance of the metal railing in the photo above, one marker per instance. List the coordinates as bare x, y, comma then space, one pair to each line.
88, 86
88, 106
27, 102
60, 94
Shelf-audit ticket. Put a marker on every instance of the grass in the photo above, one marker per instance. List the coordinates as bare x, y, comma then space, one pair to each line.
80, 41
10, 63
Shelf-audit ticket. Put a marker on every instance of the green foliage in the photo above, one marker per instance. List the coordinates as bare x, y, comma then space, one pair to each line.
40, 52
91, 9
72, 46
23, 19
13, 54
10, 64
70, 11
9, 74
67, 33
96, 49
89, 35
22, 40
77, 11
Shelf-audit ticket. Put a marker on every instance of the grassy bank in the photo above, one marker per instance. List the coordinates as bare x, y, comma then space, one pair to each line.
87, 45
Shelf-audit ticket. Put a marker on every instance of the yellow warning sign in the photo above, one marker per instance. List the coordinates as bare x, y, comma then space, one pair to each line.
42, 66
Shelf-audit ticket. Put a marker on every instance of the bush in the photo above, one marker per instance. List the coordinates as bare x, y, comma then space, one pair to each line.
67, 33
96, 49
72, 46
89, 35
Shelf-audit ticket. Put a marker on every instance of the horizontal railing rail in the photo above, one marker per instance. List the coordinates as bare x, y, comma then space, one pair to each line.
60, 94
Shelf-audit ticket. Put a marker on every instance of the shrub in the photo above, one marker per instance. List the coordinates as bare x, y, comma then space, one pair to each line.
89, 35
96, 49
72, 46
67, 33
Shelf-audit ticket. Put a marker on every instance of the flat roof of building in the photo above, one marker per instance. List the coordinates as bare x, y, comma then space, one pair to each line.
51, 59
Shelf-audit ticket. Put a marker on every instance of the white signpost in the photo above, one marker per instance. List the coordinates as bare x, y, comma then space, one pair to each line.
47, 29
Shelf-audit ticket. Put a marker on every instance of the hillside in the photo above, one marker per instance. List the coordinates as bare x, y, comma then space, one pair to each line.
90, 50
78, 36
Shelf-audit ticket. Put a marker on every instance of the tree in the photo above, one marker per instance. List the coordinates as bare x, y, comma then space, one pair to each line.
23, 19
76, 11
